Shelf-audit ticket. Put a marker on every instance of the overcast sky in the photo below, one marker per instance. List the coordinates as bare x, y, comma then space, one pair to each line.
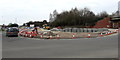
21, 11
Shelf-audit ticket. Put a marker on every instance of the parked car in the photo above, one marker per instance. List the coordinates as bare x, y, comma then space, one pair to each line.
12, 32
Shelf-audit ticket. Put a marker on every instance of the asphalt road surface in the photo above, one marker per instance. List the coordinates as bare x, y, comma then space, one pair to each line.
22, 47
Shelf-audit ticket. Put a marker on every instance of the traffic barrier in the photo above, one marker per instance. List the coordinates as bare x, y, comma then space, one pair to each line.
73, 36
41, 36
89, 35
106, 33
31, 36
50, 36
26, 35
101, 34
85, 36
110, 32
57, 37
116, 30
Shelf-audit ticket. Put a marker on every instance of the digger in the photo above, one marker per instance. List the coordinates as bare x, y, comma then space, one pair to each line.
46, 26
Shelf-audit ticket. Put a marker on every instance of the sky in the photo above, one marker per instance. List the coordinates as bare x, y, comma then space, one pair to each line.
22, 11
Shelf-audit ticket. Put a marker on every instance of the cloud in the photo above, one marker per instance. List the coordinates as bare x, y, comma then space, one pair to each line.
26, 10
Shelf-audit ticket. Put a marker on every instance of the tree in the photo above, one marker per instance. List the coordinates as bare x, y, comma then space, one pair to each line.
45, 22
13, 25
103, 14
77, 17
24, 24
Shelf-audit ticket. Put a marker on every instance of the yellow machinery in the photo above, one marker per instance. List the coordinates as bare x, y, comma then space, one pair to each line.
45, 26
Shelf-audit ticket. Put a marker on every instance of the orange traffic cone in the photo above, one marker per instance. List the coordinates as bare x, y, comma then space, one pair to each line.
41, 36
89, 35
106, 33
101, 34
73, 36
57, 37
50, 37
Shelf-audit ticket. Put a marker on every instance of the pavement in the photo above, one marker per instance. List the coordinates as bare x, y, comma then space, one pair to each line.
22, 47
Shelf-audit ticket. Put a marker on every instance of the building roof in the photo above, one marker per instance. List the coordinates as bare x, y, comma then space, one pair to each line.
115, 19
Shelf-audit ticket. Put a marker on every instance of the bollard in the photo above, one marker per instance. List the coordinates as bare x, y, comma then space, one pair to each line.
88, 35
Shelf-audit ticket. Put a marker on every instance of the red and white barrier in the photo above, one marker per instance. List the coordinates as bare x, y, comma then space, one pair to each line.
89, 35
108, 32
111, 32
30, 36
73, 36
101, 34
50, 36
58, 36
26, 35
117, 30
41, 36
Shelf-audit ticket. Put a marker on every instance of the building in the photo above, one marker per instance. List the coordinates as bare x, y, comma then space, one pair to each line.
115, 22
104, 23
110, 22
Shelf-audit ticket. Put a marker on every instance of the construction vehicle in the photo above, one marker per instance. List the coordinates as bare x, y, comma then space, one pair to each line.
46, 26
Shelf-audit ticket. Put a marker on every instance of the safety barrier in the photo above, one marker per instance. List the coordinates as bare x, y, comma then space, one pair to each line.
57, 37
84, 30
73, 36
89, 35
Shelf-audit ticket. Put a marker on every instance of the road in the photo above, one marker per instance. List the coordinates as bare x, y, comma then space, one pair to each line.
21, 47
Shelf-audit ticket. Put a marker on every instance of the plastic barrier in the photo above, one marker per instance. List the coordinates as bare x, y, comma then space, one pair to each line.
31, 36
101, 34
89, 35
50, 37
57, 37
41, 36
73, 36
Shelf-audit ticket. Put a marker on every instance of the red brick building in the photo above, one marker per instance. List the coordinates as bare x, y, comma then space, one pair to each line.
105, 23
108, 23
